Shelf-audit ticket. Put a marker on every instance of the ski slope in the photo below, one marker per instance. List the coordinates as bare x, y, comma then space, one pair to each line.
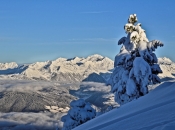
154, 111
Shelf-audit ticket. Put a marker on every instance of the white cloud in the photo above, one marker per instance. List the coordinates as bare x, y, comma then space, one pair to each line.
30, 121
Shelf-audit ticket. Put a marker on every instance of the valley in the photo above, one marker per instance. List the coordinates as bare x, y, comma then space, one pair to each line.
28, 92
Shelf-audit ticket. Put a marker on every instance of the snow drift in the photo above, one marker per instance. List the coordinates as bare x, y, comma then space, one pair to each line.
154, 111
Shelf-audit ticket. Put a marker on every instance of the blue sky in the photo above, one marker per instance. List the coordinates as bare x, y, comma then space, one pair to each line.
41, 30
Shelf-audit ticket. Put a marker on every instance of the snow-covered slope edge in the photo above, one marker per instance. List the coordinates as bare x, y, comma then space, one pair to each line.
154, 111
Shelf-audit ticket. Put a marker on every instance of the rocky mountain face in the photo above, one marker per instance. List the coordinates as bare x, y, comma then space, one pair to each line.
63, 70
16, 95
5, 66
168, 68
95, 68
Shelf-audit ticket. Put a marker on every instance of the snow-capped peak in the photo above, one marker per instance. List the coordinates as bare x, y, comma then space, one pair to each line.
164, 60
167, 66
67, 70
95, 56
10, 65
76, 69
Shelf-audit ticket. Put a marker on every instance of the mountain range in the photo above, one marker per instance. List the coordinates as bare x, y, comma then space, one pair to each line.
95, 68
30, 88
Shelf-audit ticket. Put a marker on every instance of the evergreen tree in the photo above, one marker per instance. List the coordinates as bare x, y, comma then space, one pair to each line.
136, 64
79, 113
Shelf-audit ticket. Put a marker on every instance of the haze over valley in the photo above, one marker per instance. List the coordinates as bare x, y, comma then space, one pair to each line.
47, 88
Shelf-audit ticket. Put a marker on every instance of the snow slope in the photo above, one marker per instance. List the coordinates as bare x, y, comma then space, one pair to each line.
154, 111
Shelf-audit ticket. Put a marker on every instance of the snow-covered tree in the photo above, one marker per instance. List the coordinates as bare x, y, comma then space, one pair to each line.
79, 113
136, 64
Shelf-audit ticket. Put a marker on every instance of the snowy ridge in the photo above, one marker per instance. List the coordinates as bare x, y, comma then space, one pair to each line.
154, 111
73, 70
167, 66
61, 69
11, 65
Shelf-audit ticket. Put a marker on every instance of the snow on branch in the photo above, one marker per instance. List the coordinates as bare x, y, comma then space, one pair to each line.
79, 113
136, 64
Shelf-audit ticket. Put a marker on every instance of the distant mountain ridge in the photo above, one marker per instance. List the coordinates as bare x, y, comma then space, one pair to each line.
11, 65
63, 70
95, 68
167, 66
